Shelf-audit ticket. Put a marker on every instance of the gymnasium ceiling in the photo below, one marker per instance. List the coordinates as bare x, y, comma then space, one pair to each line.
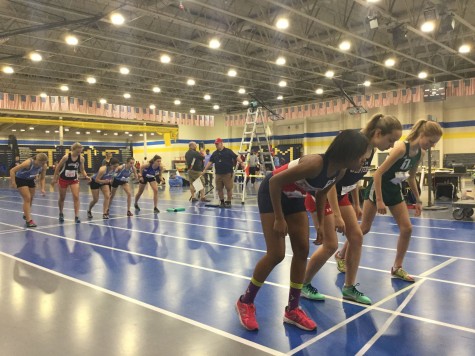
250, 44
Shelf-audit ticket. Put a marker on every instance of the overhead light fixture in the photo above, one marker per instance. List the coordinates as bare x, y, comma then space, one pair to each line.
156, 89
103, 101
64, 88
31, 128
390, 62
152, 134
165, 58
43, 95
245, 102
8, 70
88, 132
22, 130
78, 132
207, 97
105, 133
422, 75
242, 91
116, 134
56, 131
13, 130
130, 135
280, 61
367, 83
127, 95
141, 135
124, 70
152, 107
345, 45
91, 80
280, 97
71, 40
35, 57
282, 83
117, 19
372, 1
190, 82
329, 74
126, 132
46, 131
232, 72
98, 131
214, 43
373, 22
216, 107
177, 102
465, 48
428, 26
66, 129
282, 23
319, 91
192, 111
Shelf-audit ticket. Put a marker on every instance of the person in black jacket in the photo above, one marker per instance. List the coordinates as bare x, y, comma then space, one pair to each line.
194, 163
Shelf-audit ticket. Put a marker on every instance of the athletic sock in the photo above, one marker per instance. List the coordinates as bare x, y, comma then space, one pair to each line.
251, 291
294, 295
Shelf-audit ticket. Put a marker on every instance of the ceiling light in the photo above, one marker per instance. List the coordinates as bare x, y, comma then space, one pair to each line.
46, 131
465, 48
152, 134
152, 107
190, 82
43, 95
280, 97
98, 131
103, 101
8, 70
88, 132
329, 74
31, 128
91, 80
282, 23
177, 102
345, 45
124, 70
64, 88
372, 1
116, 134
232, 72
207, 97
141, 135
126, 132
22, 130
319, 91
428, 26
214, 43
56, 131
36, 57
127, 95
117, 19
422, 75
216, 107
105, 133
242, 91
280, 61
14, 130
245, 102
156, 89
367, 83
66, 129
71, 40
282, 83
78, 132
192, 111
390, 62
165, 58
130, 135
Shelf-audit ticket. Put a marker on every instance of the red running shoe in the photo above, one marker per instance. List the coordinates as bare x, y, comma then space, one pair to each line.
247, 315
298, 318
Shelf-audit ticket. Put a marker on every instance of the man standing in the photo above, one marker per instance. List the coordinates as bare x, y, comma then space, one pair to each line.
224, 160
208, 177
194, 162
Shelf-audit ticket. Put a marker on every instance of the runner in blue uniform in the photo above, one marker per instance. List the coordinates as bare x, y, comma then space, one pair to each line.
101, 180
121, 179
149, 173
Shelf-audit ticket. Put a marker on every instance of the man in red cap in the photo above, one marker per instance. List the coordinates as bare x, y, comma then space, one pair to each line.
224, 160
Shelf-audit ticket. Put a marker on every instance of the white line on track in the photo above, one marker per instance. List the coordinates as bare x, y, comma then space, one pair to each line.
153, 308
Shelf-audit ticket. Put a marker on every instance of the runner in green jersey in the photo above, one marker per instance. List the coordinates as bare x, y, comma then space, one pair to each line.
385, 188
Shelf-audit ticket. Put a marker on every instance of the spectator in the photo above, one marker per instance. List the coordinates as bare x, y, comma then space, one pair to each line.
253, 167
194, 163
276, 161
208, 176
223, 159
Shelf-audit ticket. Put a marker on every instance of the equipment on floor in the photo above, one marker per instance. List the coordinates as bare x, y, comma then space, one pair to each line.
175, 210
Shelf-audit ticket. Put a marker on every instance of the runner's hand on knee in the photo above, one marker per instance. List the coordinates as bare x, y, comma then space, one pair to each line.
340, 225
381, 208
319, 239
280, 227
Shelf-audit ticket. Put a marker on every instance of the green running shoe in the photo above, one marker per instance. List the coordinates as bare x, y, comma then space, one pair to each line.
340, 262
310, 292
351, 293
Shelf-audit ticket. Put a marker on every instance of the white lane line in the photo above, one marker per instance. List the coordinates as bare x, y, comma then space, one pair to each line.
389, 321
438, 267
422, 237
364, 311
428, 227
153, 308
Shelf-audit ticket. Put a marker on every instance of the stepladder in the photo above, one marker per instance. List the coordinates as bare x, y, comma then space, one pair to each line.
255, 151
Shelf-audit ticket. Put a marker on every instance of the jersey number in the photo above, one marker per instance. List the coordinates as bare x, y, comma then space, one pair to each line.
406, 163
